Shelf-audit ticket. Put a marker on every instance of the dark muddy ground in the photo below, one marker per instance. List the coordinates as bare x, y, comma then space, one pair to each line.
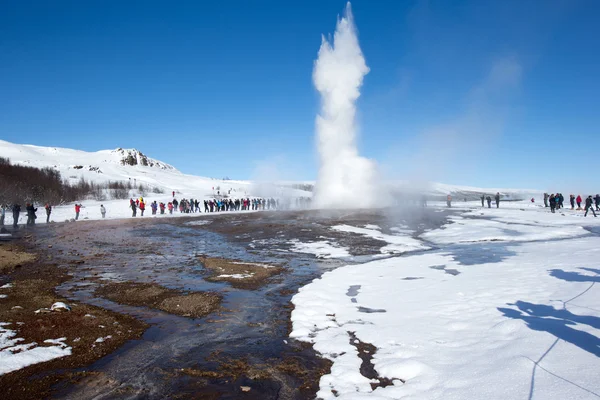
238, 349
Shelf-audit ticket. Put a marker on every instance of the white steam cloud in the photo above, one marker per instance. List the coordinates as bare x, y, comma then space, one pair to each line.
345, 179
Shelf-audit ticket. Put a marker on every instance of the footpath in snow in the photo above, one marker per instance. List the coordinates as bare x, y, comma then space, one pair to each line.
505, 306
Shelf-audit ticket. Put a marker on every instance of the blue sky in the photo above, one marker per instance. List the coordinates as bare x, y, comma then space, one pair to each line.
483, 93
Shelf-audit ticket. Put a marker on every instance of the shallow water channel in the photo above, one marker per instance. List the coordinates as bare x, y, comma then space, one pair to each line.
248, 337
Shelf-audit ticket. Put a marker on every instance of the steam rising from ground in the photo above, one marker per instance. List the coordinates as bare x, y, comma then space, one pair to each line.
345, 179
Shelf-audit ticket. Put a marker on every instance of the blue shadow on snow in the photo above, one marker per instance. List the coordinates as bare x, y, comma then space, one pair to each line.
557, 322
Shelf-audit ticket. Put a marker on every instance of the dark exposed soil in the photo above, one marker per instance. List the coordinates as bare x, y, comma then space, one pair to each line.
32, 288
151, 295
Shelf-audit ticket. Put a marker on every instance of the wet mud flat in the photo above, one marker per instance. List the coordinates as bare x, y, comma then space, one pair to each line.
235, 276
25, 309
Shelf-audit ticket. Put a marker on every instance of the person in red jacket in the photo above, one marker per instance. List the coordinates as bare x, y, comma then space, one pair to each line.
142, 207
170, 207
578, 202
77, 210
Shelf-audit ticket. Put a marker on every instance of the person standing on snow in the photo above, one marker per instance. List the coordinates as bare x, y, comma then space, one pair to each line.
546, 199
48, 208
597, 200
552, 201
31, 214
153, 206
77, 211
578, 202
142, 207
561, 200
449, 201
482, 200
173, 194
133, 206
16, 209
589, 206
497, 198
572, 200
175, 203
102, 211
489, 201
2, 214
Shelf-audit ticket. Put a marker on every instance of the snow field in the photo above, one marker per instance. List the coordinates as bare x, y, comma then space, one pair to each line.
475, 333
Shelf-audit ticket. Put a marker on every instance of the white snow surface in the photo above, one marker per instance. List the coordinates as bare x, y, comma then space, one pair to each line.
15, 355
516, 319
236, 276
397, 243
321, 249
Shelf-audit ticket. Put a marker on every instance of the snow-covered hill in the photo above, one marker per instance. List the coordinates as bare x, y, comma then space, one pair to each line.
131, 165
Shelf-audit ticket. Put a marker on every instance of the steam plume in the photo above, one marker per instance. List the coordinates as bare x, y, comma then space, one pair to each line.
345, 179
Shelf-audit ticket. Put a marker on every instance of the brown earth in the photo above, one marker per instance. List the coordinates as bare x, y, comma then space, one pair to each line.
221, 266
194, 305
81, 326
12, 257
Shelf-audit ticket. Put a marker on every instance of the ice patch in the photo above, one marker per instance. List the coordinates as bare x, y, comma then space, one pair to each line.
198, 223
375, 227
7, 286
3, 296
236, 276
253, 264
397, 244
321, 249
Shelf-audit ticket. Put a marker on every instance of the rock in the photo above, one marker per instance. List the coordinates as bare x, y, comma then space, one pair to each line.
245, 388
49, 246
60, 306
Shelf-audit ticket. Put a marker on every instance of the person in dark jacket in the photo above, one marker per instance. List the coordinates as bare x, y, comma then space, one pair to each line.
48, 208
572, 200
552, 201
497, 198
589, 206
16, 209
175, 204
133, 208
597, 200
482, 200
31, 214
489, 201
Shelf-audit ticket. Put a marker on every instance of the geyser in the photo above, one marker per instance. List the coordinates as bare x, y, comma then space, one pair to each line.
345, 179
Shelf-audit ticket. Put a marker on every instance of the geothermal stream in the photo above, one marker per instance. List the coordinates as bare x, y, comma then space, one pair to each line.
252, 325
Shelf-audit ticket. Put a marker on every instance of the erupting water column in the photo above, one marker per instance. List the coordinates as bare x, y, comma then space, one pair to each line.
345, 179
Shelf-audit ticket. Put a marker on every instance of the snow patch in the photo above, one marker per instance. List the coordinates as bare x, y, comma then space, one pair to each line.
321, 249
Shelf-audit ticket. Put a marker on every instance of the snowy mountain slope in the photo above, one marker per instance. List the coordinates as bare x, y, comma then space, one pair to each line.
130, 165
